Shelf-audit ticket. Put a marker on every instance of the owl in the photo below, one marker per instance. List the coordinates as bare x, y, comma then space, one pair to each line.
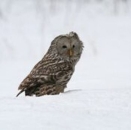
51, 75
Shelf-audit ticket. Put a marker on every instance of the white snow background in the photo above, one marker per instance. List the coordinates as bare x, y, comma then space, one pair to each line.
98, 96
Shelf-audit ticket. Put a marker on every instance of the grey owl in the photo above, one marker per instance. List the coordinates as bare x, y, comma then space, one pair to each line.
51, 75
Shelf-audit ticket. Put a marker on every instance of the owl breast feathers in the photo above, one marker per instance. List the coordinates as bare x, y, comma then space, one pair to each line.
51, 75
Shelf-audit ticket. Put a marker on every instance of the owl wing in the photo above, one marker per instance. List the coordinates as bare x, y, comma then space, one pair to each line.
44, 73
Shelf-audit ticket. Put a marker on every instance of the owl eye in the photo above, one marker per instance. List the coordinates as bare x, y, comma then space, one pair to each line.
64, 46
73, 46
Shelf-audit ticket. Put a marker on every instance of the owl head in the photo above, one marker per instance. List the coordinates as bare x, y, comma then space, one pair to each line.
68, 47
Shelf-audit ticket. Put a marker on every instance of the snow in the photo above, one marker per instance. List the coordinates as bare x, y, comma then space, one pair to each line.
80, 109
98, 97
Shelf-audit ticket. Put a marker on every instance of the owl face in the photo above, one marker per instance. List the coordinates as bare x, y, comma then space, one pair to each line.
69, 47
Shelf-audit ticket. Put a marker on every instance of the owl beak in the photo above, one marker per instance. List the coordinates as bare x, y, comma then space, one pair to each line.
70, 52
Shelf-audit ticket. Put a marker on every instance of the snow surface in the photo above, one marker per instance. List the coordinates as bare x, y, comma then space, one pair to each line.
98, 97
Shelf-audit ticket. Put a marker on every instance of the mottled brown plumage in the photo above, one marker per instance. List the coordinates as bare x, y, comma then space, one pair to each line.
51, 75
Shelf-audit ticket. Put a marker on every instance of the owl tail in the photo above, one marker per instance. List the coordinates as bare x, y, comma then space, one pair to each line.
20, 92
